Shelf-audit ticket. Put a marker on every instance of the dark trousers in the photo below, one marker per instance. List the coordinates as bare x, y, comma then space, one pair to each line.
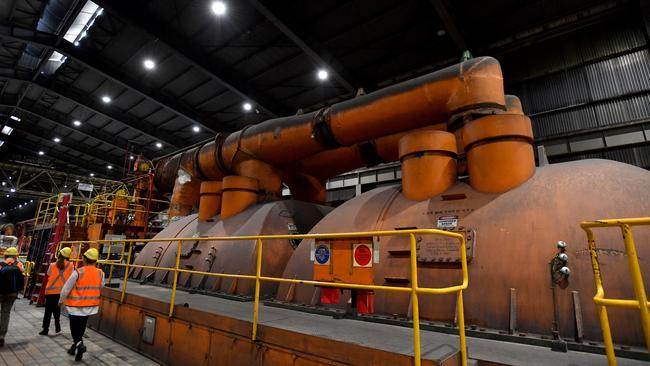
52, 307
77, 327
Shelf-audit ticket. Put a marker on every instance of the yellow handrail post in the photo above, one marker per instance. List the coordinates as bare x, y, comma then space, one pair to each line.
178, 259
459, 303
600, 293
110, 271
258, 274
414, 301
637, 281
126, 273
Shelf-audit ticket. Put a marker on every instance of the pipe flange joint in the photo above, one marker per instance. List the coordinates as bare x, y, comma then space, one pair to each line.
322, 131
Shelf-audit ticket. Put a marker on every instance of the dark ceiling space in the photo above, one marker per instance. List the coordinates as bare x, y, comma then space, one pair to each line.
261, 52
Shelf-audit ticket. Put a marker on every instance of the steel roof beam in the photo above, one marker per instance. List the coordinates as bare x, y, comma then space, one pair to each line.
61, 157
82, 150
446, 15
31, 107
96, 64
309, 46
79, 97
132, 14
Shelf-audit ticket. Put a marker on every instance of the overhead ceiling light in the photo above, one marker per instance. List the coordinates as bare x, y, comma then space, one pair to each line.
76, 180
322, 74
219, 7
41, 153
15, 118
57, 140
196, 129
2, 142
247, 107
106, 99
7, 196
7, 130
158, 145
109, 167
92, 174
12, 190
131, 157
31, 201
76, 43
4, 184
441, 32
20, 205
76, 123
149, 64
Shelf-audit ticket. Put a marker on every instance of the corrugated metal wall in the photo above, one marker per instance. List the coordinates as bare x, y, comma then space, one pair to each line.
588, 90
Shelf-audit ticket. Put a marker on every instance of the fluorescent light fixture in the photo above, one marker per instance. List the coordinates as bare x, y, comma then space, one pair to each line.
57, 140
322, 74
76, 123
92, 174
109, 167
106, 99
76, 43
7, 130
247, 107
41, 153
149, 64
196, 128
2, 142
76, 180
158, 145
218, 8
15, 118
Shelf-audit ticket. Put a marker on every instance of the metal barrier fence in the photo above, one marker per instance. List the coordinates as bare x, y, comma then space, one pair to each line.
125, 260
641, 303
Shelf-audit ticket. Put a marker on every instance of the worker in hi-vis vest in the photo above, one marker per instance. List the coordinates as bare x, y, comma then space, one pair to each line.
57, 274
11, 283
81, 296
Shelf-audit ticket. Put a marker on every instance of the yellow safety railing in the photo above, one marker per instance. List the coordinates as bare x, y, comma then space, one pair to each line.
48, 210
641, 303
125, 260
103, 208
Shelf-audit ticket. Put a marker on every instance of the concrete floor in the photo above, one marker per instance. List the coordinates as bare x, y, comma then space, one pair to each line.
391, 338
25, 347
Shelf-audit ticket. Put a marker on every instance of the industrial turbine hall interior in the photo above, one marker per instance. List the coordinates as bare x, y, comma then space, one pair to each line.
256, 182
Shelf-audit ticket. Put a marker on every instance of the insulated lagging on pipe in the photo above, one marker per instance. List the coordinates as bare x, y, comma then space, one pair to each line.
280, 142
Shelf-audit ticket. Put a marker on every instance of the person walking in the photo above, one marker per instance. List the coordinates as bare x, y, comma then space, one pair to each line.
58, 273
81, 296
11, 282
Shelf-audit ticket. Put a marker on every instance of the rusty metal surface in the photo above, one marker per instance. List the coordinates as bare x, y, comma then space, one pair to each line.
237, 257
516, 232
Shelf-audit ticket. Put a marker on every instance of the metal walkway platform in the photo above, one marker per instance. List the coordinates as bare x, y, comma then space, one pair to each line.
25, 347
435, 346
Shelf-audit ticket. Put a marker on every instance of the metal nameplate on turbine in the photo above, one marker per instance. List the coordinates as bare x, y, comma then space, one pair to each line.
443, 249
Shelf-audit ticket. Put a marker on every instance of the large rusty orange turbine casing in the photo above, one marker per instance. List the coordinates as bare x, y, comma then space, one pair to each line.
429, 99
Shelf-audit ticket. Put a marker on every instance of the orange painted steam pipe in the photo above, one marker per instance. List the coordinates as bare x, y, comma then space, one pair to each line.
499, 152
210, 201
412, 104
428, 163
238, 194
184, 198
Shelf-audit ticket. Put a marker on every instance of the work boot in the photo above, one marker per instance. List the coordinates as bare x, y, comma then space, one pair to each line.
57, 327
72, 349
44, 331
81, 349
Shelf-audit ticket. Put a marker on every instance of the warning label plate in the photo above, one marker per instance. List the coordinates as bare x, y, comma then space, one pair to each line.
447, 222
362, 255
322, 254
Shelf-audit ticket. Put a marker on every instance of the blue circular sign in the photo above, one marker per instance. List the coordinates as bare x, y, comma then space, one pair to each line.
322, 254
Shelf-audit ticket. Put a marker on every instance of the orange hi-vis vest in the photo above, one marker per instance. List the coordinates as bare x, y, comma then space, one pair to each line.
87, 289
57, 278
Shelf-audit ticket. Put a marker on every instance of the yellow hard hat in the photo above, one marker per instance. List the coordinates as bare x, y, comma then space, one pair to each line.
65, 252
11, 251
92, 254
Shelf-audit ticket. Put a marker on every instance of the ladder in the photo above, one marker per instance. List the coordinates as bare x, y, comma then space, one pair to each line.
38, 292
